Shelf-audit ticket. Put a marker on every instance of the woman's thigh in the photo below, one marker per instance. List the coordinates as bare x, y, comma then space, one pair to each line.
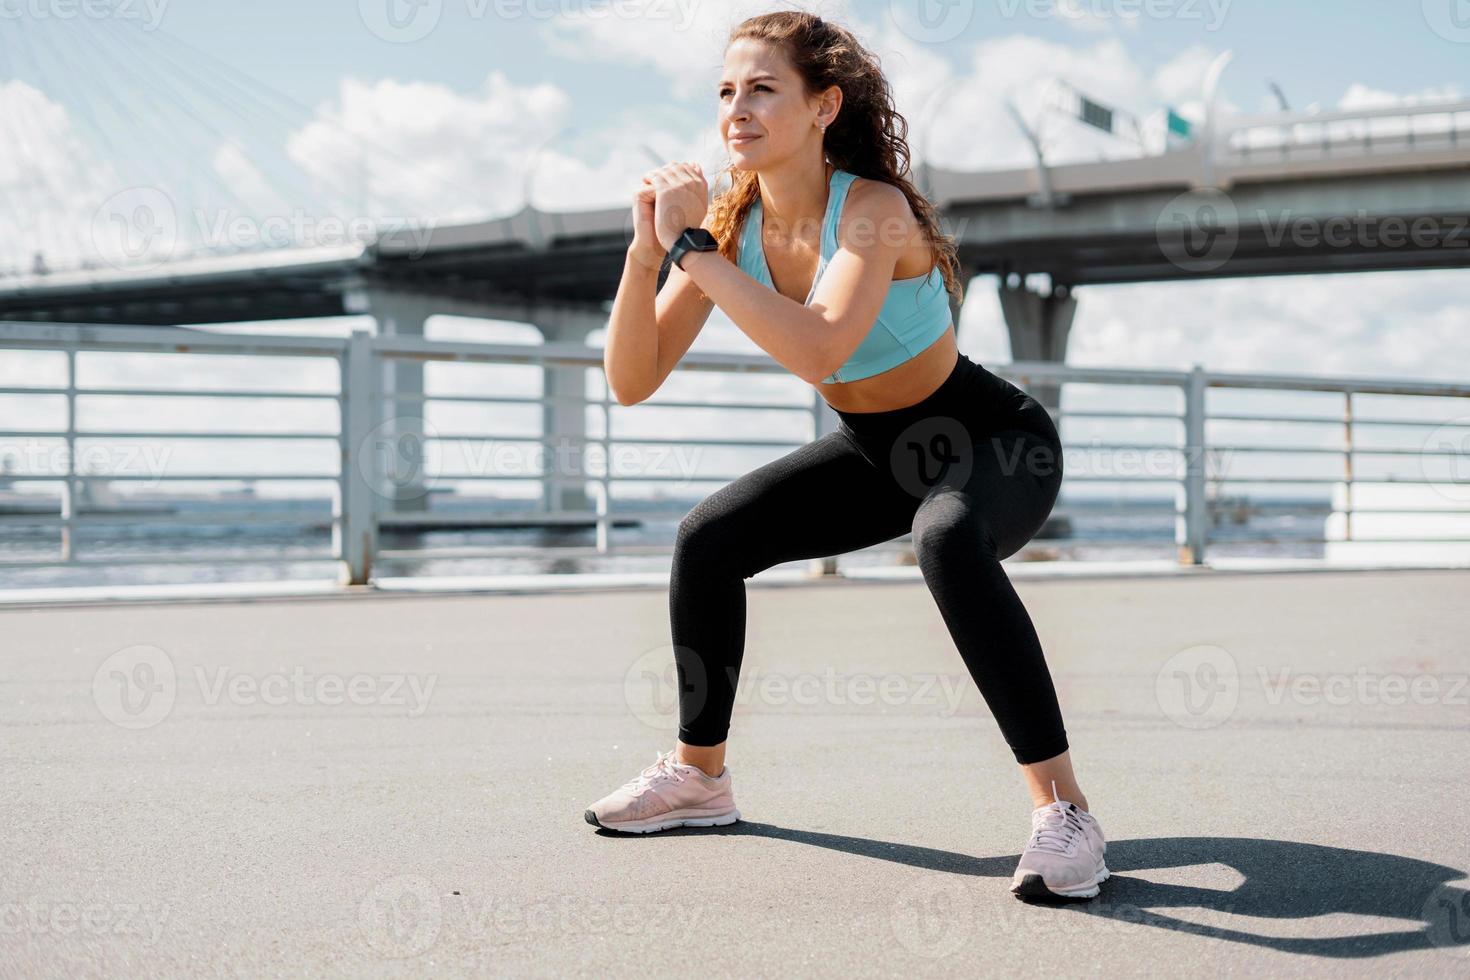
819, 500
999, 495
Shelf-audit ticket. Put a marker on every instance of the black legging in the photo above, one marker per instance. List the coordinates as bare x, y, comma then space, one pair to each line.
973, 471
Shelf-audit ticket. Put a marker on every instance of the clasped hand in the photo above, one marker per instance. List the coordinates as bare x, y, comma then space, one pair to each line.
680, 197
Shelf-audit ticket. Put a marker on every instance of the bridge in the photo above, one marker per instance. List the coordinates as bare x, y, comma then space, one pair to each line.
1280, 194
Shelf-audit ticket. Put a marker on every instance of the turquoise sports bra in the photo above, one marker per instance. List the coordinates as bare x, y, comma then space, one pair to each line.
914, 315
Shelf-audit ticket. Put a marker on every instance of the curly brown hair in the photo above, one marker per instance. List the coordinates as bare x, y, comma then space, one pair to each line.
868, 138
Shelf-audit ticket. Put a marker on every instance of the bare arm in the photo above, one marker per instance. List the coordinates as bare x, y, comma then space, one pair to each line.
648, 334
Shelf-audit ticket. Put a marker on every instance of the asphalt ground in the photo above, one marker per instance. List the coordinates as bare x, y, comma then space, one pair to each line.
395, 786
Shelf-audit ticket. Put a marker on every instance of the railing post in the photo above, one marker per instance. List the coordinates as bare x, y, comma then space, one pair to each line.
355, 523
1347, 464
1192, 548
71, 498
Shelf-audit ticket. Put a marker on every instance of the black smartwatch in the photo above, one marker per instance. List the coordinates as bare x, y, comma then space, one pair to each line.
693, 240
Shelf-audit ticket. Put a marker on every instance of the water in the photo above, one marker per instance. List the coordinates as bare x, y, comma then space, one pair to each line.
302, 550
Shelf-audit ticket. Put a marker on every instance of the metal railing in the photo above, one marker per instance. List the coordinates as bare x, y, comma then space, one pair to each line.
1352, 132
366, 495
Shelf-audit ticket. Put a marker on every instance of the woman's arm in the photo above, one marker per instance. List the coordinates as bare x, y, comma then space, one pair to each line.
813, 341
647, 334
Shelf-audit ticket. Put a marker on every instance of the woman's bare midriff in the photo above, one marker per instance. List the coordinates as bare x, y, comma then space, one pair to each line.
899, 387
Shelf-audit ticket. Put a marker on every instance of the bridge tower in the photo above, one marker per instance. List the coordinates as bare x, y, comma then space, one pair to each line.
1038, 322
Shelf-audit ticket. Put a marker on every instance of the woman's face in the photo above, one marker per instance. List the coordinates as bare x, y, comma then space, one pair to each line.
765, 114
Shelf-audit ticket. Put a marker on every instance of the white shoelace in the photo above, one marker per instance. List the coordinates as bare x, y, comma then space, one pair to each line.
659, 771
1057, 827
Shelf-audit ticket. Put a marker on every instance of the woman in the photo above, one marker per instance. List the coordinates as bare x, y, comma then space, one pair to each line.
928, 442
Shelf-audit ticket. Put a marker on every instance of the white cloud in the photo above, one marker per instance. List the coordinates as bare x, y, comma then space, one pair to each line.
684, 40
52, 181
420, 148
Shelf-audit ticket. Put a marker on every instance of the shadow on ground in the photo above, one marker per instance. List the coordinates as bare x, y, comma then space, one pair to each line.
1283, 880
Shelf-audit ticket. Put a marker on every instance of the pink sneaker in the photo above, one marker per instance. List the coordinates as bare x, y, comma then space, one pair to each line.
1064, 858
667, 794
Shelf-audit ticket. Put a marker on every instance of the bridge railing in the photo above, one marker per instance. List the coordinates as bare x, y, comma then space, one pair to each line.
373, 463
1354, 132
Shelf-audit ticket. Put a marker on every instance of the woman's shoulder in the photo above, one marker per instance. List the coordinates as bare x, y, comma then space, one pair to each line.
876, 201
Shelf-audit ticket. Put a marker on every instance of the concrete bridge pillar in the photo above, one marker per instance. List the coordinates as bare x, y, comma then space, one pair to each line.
564, 417
1038, 324
399, 425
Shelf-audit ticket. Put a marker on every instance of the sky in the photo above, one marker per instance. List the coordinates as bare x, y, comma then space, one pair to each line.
467, 108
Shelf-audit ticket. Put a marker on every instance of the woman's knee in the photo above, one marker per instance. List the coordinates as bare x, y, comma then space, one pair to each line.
714, 532
949, 531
